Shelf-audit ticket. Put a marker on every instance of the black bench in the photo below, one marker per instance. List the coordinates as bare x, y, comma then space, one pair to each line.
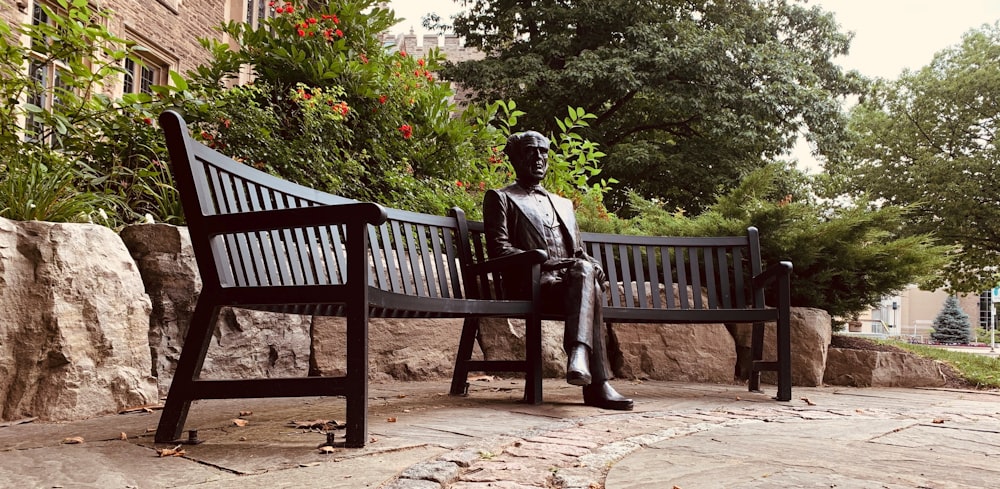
715, 280
267, 244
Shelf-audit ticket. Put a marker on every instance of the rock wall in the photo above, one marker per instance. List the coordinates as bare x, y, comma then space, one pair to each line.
75, 323
868, 368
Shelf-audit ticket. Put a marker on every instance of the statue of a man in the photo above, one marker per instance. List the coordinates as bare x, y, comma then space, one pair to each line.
524, 216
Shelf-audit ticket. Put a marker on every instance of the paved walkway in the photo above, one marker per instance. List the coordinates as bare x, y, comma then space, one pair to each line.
680, 435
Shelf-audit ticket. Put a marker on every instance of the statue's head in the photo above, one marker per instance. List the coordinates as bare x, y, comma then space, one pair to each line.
529, 153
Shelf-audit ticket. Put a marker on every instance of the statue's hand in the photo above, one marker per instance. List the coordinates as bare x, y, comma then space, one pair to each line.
557, 263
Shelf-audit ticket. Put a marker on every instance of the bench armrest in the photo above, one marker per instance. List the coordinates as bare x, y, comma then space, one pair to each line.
320, 215
782, 271
524, 259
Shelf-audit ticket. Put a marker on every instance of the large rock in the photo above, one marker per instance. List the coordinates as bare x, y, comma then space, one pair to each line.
400, 349
681, 352
503, 339
246, 344
810, 330
75, 323
869, 368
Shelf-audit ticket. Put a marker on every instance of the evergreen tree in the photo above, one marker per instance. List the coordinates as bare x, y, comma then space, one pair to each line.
952, 324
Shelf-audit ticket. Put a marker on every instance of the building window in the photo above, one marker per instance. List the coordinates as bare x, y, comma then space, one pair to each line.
48, 75
985, 309
257, 11
149, 66
142, 74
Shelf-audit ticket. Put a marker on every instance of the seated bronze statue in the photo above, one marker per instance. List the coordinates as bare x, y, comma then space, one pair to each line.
524, 216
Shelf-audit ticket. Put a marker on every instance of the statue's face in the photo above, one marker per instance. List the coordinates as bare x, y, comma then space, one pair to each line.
533, 161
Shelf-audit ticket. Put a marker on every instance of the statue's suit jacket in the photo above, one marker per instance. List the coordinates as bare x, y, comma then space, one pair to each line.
514, 224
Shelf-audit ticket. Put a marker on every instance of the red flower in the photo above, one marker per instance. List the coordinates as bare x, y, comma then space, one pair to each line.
482, 185
364, 59
311, 20
406, 130
270, 4
302, 33
421, 62
459, 184
336, 20
226, 122
147, 121
382, 99
402, 53
339, 33
279, 10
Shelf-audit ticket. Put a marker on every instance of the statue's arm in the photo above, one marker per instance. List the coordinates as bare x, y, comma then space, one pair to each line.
495, 209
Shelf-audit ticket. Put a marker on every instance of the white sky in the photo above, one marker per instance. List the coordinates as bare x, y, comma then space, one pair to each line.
890, 35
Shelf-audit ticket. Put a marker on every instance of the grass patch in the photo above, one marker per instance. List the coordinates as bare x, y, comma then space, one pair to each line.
980, 370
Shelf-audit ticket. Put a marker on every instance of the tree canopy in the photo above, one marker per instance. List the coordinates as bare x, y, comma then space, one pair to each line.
926, 140
689, 95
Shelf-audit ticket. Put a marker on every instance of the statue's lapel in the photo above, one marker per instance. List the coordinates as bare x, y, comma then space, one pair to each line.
526, 204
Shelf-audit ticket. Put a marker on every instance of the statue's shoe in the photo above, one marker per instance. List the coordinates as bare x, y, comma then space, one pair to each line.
606, 397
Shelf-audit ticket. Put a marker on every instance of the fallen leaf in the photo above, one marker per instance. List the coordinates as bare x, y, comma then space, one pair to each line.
807, 401
75, 440
122, 436
150, 430
240, 422
391, 420
401, 396
482, 378
327, 449
246, 413
738, 398
938, 421
243, 438
311, 464
171, 452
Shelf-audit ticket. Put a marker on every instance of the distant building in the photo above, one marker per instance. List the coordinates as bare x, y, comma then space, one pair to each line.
452, 48
911, 313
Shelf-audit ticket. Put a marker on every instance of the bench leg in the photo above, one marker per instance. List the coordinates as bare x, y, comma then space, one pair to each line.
756, 355
180, 395
784, 347
357, 375
533, 356
460, 375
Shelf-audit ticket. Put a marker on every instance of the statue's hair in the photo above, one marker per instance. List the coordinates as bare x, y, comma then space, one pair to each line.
517, 142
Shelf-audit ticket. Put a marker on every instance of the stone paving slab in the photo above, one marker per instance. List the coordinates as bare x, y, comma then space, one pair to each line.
688, 435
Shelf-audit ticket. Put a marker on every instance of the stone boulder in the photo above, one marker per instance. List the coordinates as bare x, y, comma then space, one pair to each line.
398, 349
74, 330
247, 344
870, 368
681, 352
811, 331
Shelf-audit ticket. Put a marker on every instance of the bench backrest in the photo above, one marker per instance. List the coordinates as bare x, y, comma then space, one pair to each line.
410, 253
721, 267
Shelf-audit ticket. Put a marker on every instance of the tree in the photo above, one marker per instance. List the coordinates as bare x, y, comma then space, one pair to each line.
952, 324
926, 140
689, 95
